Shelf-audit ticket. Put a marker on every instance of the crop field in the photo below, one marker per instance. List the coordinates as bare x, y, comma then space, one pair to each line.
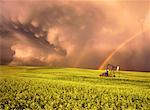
36, 88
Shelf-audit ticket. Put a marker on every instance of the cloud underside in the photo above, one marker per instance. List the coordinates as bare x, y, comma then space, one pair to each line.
75, 33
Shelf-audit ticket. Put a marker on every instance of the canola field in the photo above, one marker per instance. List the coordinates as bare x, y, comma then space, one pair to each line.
44, 88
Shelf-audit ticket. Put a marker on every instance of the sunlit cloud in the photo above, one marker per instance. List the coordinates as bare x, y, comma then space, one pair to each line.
75, 33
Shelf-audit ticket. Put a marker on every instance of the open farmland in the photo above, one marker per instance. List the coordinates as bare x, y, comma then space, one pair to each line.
39, 88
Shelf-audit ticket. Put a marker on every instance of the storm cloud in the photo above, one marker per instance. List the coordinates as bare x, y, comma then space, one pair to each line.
74, 33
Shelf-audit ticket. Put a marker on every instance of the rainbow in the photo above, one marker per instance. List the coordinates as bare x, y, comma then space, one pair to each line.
120, 47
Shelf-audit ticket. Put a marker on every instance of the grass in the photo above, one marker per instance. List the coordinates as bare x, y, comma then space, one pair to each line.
36, 88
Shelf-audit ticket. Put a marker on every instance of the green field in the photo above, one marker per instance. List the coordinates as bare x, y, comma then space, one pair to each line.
39, 88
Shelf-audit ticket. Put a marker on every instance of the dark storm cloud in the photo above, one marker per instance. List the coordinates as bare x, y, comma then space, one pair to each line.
6, 53
33, 28
6, 41
72, 34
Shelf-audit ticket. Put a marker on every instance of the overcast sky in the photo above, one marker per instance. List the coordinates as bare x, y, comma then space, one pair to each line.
75, 33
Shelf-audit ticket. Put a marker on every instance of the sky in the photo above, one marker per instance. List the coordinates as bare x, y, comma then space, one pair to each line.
76, 33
